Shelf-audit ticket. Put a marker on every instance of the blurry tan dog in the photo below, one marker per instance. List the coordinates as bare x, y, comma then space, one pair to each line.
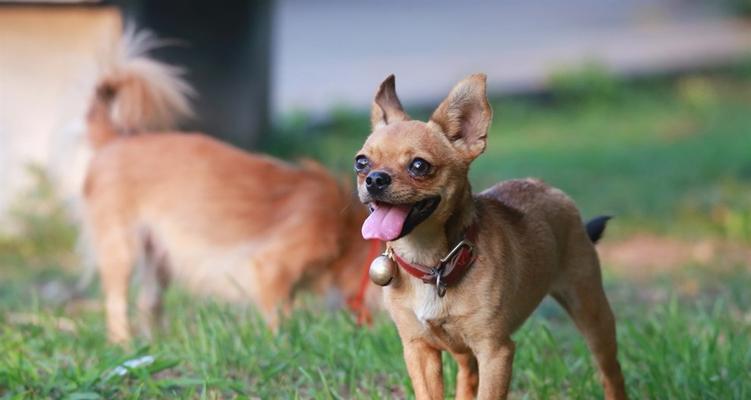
221, 221
527, 238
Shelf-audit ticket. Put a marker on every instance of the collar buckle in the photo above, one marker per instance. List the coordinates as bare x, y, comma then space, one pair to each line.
455, 251
447, 265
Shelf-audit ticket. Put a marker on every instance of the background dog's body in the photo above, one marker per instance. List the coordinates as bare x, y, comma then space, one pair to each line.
221, 221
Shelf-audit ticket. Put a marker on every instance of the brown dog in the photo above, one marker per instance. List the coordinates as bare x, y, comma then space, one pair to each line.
221, 221
514, 243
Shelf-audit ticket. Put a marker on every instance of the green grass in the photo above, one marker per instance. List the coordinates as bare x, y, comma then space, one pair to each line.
671, 347
671, 156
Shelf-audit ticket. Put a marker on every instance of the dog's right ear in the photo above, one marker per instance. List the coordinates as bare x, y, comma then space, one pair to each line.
387, 108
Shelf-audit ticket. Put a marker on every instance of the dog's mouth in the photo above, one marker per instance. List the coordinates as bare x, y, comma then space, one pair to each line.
389, 222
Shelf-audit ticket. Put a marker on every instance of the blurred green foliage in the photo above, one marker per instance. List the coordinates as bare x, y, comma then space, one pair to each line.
591, 82
662, 154
731, 213
739, 7
41, 230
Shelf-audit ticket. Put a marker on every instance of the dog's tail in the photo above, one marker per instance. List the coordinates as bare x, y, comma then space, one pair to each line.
136, 93
596, 227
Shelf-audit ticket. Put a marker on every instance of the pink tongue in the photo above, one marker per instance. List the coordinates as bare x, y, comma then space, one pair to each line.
385, 222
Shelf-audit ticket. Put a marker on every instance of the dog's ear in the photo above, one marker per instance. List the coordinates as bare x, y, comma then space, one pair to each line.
387, 108
465, 115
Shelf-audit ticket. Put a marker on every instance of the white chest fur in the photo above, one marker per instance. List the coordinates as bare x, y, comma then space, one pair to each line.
426, 303
418, 297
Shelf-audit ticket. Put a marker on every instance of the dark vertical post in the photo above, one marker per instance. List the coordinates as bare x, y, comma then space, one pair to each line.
227, 55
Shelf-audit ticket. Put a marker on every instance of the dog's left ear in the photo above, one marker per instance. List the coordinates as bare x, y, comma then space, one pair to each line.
465, 115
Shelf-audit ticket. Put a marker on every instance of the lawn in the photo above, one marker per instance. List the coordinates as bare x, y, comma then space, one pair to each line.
670, 156
672, 347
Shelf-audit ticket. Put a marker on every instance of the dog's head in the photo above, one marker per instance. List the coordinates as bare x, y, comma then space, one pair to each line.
410, 172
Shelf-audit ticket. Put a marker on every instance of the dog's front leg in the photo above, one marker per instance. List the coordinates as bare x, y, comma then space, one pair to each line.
466, 376
425, 369
495, 362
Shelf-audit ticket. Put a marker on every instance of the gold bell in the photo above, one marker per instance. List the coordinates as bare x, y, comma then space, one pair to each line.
382, 270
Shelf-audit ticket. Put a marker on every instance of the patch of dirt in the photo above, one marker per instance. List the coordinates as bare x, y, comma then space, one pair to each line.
645, 255
61, 323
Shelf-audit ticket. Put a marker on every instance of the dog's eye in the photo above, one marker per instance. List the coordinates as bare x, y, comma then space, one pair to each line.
419, 167
361, 163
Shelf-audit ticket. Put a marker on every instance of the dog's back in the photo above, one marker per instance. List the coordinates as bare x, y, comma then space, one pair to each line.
544, 229
211, 207
546, 214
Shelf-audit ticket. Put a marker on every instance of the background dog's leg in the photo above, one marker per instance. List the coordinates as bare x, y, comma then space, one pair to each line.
273, 290
589, 308
425, 369
116, 257
495, 362
154, 280
467, 376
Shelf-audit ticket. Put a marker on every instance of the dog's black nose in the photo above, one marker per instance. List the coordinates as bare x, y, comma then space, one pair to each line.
377, 181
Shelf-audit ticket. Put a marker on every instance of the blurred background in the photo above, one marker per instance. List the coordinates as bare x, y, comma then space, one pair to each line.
640, 109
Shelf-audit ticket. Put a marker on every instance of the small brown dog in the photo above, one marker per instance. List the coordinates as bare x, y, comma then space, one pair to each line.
473, 268
219, 220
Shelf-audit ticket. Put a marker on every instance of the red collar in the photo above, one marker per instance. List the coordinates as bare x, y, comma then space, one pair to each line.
450, 269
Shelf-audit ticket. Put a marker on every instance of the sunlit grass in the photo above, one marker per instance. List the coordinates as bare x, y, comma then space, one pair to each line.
682, 347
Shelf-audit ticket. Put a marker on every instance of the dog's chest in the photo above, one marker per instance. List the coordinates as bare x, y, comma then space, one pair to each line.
436, 319
435, 315
427, 305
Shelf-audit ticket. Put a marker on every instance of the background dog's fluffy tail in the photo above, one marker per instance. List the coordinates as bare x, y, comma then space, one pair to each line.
136, 93
596, 226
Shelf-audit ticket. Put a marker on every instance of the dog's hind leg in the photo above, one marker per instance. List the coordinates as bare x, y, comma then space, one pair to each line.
273, 291
116, 255
583, 297
154, 280
291, 261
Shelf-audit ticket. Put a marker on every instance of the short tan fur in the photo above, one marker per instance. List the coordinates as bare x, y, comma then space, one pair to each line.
531, 242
